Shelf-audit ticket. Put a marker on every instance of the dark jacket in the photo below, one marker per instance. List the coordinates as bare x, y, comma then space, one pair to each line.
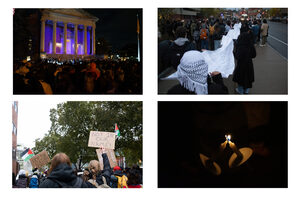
244, 53
22, 182
175, 52
106, 172
215, 86
163, 48
63, 177
218, 34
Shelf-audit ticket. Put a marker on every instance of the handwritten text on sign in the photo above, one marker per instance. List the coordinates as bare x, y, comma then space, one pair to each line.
104, 139
111, 157
40, 159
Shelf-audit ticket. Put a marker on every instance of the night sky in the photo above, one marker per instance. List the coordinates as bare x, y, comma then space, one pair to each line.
117, 26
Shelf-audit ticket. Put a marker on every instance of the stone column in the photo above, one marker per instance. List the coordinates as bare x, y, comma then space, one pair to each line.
76, 37
43, 35
94, 40
85, 40
54, 37
65, 37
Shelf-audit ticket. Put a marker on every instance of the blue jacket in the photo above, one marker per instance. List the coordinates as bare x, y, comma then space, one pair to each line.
255, 30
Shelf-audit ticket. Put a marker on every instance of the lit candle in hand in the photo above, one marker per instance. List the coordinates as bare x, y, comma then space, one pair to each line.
228, 137
223, 145
232, 145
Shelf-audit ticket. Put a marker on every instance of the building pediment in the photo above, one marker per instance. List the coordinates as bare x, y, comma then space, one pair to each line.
75, 14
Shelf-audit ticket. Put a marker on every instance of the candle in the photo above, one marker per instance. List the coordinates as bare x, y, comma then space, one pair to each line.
228, 137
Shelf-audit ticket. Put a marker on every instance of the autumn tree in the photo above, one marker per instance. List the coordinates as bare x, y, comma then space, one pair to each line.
71, 123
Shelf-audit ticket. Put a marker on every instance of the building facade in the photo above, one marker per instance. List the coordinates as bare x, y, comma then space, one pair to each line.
67, 34
15, 166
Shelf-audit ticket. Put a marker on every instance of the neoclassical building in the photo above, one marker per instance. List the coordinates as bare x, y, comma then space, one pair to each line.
67, 34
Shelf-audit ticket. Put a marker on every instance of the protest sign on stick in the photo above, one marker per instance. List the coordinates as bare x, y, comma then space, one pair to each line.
102, 139
40, 160
111, 157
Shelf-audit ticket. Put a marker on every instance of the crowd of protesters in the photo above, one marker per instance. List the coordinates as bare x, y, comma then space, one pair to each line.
98, 77
62, 175
206, 33
180, 36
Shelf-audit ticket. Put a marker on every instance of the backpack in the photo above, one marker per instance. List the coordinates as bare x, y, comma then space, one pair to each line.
203, 34
122, 181
34, 183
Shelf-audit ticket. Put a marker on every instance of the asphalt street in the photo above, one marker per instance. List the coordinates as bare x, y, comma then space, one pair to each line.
278, 37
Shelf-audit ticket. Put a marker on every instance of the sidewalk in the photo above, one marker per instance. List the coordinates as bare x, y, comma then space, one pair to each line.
270, 70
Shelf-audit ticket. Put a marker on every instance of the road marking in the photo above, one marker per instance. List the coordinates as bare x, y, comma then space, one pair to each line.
278, 40
278, 52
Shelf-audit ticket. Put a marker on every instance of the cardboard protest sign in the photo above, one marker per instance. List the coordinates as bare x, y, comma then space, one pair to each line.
100, 138
40, 159
111, 157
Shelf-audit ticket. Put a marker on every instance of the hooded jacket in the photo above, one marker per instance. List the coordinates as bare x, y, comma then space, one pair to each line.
63, 177
22, 181
176, 51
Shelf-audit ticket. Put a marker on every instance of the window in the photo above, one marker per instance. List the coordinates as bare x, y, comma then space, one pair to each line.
89, 40
59, 38
48, 36
14, 154
70, 39
14, 129
16, 107
80, 40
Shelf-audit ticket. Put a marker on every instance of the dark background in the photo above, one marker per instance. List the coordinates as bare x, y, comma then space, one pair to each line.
118, 26
186, 129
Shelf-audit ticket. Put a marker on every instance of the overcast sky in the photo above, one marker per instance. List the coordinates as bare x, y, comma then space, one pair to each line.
33, 120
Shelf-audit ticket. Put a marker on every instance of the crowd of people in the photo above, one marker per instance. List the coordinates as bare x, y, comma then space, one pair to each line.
97, 77
62, 175
179, 37
206, 33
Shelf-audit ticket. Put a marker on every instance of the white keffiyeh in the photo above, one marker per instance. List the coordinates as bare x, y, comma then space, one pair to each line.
192, 72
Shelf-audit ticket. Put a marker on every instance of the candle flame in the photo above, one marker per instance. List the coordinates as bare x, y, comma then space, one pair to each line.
228, 137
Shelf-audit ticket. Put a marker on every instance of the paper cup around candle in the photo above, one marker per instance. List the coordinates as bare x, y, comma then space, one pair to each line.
246, 152
216, 170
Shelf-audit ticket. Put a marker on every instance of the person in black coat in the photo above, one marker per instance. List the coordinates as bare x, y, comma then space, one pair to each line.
106, 172
176, 49
61, 175
244, 71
